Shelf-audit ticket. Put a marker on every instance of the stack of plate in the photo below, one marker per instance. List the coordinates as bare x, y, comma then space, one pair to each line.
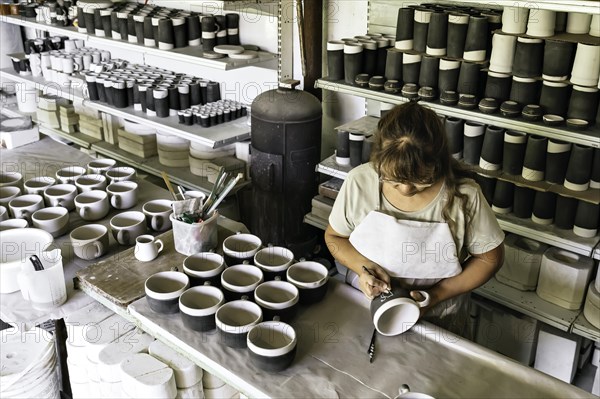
28, 364
173, 151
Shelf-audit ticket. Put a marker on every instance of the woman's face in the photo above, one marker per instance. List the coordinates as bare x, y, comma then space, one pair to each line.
407, 189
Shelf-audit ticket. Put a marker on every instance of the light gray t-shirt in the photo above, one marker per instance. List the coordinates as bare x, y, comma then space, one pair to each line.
360, 194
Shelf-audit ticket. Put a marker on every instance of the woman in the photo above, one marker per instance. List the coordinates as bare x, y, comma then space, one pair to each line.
413, 214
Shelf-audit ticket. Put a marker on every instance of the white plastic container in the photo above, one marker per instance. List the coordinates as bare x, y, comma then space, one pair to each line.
557, 353
45, 289
522, 261
196, 237
564, 277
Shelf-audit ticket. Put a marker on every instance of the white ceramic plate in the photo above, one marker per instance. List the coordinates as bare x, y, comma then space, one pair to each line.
228, 49
246, 55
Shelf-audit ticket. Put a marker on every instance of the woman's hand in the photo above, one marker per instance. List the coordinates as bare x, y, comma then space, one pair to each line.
419, 297
374, 280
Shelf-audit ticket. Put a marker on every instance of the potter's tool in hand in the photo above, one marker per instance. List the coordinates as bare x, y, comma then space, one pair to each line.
37, 264
371, 350
365, 269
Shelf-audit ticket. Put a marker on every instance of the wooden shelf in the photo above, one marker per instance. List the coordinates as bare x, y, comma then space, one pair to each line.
82, 140
527, 302
589, 137
189, 55
214, 137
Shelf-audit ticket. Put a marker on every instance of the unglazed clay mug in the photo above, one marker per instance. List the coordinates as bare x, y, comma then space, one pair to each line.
90, 241
147, 248
92, 205
405, 393
157, 214
11, 179
37, 185
127, 226
123, 194
101, 166
54, 220
69, 174
8, 193
90, 182
120, 173
22, 207
61, 195
395, 311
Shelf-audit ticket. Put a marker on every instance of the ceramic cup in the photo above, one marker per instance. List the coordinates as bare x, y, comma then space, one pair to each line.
404, 391
513, 152
22, 207
198, 306
404, 28
240, 281
101, 166
395, 312
163, 290
61, 195
544, 208
92, 205
204, 268
14, 179
3, 213
13, 224
272, 345
147, 247
503, 52
37, 185
123, 194
157, 214
54, 220
240, 247
69, 174
273, 261
7, 193
565, 219
90, 241
311, 279
120, 173
127, 226
234, 320
502, 201
90, 182
277, 299
421, 28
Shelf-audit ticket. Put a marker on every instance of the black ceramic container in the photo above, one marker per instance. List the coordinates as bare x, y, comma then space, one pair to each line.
180, 32
514, 152
544, 207
100, 87
566, 208
272, 346
595, 177
194, 30
488, 105
410, 91
353, 61
468, 78
534, 163
120, 94
240, 281
148, 30
523, 202
393, 67
476, 41
579, 170
383, 45
150, 104
472, 142
525, 90
558, 57
233, 28
131, 34
166, 36
404, 28
209, 33
511, 109
411, 66
529, 57
503, 197
554, 97
240, 248
454, 134
458, 24
488, 186
448, 74
342, 152
492, 148
362, 80
449, 97
161, 102
139, 27
356, 142
174, 104
123, 29
583, 103
213, 92
198, 306
311, 279
195, 93
367, 148
81, 20
376, 83
557, 161
428, 75
105, 16
421, 28
586, 219
437, 33
90, 79
335, 60
108, 91
155, 22
221, 21
234, 320
278, 300
274, 262
369, 56
163, 290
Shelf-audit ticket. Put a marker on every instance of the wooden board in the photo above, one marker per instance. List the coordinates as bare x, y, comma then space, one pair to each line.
121, 277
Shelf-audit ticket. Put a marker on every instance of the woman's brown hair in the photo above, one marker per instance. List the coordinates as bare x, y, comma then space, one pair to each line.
411, 146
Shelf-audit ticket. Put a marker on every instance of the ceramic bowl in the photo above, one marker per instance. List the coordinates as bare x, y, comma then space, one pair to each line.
311, 279
362, 80
427, 93
274, 261
392, 86
7, 193
376, 83
510, 109
410, 90
13, 224
488, 105
532, 112
234, 320
54, 220
553, 120
14, 179
240, 281
198, 306
204, 268
240, 247
467, 101
277, 299
272, 345
449, 97
163, 290
578, 124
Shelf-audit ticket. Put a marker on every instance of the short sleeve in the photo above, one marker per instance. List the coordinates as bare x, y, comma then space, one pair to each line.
339, 218
483, 232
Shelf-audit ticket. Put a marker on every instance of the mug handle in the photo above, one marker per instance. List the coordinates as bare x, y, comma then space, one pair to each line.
122, 236
426, 299
160, 245
99, 249
83, 211
115, 201
207, 283
157, 223
403, 389
60, 202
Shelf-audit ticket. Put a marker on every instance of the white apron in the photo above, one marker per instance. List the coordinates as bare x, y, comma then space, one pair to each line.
418, 255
